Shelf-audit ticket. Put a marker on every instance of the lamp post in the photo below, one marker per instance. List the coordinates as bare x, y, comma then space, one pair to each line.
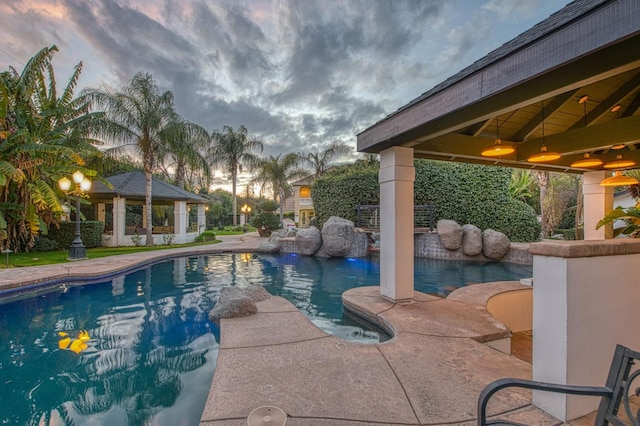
245, 209
77, 250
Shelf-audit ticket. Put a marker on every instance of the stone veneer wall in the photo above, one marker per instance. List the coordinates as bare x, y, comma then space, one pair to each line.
428, 245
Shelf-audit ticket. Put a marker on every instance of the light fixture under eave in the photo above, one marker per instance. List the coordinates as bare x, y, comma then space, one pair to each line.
587, 161
619, 163
543, 156
497, 149
618, 179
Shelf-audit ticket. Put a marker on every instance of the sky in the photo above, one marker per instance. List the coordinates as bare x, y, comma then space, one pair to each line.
298, 74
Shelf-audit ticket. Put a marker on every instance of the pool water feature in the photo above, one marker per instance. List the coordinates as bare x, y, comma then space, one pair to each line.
151, 351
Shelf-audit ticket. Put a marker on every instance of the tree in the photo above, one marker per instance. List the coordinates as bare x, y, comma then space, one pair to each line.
321, 161
136, 115
182, 147
40, 142
275, 173
231, 149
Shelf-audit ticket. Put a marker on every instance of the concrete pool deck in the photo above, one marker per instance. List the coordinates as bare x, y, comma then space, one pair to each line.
430, 373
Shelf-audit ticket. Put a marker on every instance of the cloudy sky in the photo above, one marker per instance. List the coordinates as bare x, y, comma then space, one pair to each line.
298, 74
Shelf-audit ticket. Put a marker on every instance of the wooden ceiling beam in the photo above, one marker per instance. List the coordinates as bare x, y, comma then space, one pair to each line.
633, 107
553, 106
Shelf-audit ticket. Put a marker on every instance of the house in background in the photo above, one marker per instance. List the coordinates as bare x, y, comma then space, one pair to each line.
303, 208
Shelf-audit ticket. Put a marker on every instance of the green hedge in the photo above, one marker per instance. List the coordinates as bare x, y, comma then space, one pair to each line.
90, 232
466, 193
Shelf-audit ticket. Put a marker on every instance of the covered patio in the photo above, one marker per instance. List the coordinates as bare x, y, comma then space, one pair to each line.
570, 85
129, 188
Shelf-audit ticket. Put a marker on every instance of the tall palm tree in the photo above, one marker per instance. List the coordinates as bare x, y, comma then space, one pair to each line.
231, 149
321, 161
39, 143
183, 144
275, 173
136, 115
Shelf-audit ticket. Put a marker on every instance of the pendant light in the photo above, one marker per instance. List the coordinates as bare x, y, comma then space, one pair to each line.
497, 149
544, 155
618, 179
586, 161
619, 163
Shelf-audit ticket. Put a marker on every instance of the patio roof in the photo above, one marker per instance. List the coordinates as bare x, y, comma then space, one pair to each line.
132, 186
590, 47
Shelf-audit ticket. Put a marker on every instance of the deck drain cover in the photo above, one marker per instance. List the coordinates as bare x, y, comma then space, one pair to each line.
267, 416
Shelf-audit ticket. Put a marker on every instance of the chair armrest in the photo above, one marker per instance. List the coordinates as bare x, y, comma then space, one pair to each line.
497, 385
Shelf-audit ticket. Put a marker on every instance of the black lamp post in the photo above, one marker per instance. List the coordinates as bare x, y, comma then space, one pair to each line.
77, 250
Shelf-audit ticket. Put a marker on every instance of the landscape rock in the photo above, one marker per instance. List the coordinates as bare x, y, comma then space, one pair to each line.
269, 246
495, 245
256, 293
337, 236
232, 308
308, 240
359, 245
277, 234
450, 234
291, 233
322, 252
471, 240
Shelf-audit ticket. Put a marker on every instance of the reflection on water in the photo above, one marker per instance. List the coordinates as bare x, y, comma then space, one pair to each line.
152, 351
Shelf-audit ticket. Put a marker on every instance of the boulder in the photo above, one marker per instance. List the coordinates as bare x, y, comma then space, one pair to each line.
291, 232
308, 240
256, 293
450, 234
471, 240
337, 236
360, 245
277, 234
322, 252
495, 245
269, 246
232, 308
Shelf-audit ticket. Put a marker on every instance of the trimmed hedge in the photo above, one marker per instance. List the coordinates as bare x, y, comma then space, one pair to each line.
466, 193
90, 232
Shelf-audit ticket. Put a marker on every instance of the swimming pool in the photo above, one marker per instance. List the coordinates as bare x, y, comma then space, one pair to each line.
151, 351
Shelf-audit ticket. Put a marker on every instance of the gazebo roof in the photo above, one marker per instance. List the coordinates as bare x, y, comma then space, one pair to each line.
132, 186
589, 48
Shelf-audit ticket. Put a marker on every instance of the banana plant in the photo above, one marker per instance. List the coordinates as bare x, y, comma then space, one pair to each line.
630, 216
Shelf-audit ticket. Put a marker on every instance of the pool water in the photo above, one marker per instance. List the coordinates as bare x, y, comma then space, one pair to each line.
152, 350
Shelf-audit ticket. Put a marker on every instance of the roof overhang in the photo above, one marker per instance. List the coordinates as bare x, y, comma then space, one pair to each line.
596, 53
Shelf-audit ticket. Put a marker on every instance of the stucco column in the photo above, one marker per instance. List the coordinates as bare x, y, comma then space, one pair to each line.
598, 201
119, 220
585, 301
396, 178
202, 218
180, 221
144, 215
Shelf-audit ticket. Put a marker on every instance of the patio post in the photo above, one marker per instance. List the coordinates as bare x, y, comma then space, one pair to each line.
598, 201
119, 220
202, 218
396, 177
180, 221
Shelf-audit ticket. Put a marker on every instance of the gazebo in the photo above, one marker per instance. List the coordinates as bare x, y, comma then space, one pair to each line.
129, 188
569, 86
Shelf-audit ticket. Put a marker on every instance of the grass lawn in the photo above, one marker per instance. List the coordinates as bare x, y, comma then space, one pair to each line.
60, 256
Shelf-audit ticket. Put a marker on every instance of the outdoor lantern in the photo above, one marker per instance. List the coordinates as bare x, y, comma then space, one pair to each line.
64, 184
587, 161
619, 163
497, 149
85, 185
78, 176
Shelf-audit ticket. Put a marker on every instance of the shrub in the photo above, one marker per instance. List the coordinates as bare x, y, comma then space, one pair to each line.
168, 239
206, 236
268, 206
466, 193
44, 244
136, 239
90, 232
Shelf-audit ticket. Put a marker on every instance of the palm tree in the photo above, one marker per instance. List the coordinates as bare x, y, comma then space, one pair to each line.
136, 115
39, 143
275, 173
321, 161
231, 149
182, 147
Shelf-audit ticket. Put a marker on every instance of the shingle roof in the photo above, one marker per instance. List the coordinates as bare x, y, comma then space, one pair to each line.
132, 186
572, 11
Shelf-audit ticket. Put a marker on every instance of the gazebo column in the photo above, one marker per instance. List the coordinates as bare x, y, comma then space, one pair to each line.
598, 201
144, 215
180, 221
396, 177
119, 220
202, 218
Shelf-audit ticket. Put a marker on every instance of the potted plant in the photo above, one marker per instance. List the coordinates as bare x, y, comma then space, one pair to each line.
266, 220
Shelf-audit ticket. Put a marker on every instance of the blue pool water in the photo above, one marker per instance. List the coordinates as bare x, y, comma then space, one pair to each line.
152, 350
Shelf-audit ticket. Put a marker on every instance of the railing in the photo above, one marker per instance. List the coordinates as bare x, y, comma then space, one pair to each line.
368, 217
